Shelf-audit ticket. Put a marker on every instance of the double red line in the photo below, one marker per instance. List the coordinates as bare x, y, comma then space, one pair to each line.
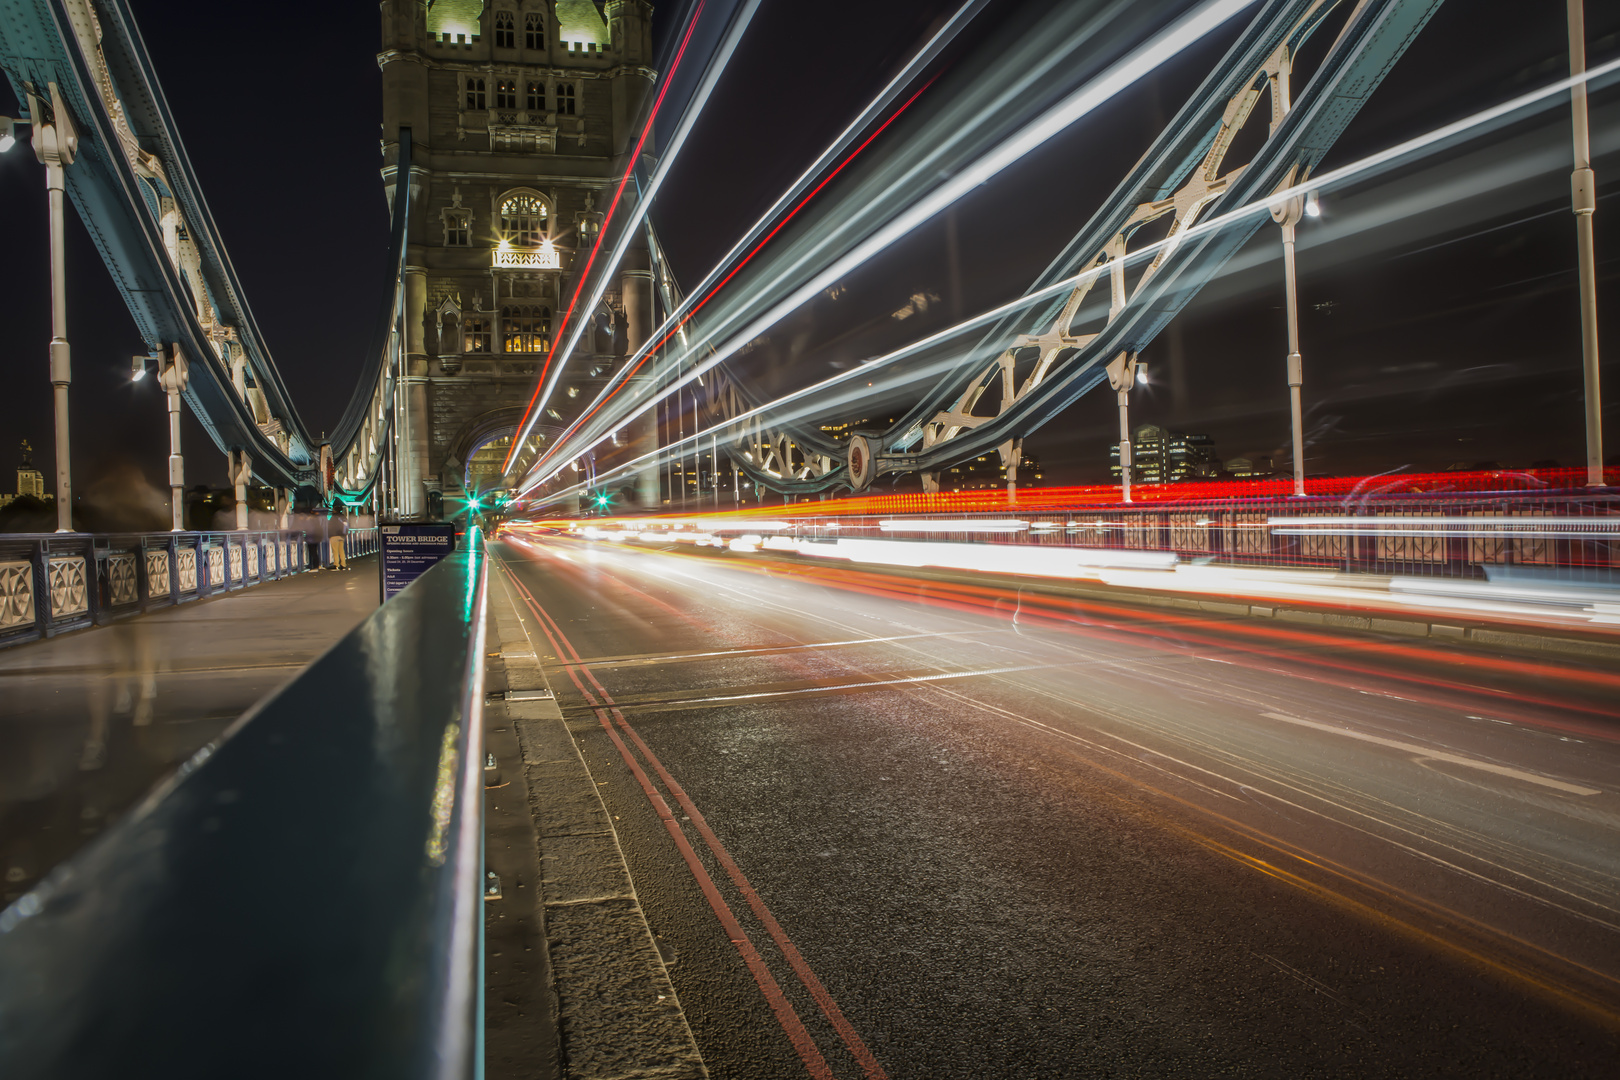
609, 715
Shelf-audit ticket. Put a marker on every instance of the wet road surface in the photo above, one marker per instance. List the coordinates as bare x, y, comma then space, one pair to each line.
925, 825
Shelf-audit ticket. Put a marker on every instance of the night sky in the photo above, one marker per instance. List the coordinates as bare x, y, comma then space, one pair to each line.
1443, 331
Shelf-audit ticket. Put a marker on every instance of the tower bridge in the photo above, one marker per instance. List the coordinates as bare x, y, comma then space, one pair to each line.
1305, 774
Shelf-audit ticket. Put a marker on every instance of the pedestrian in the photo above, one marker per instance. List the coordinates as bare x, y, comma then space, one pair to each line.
339, 527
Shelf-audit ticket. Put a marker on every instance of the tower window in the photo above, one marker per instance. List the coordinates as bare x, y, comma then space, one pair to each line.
525, 329
475, 336
506, 93
536, 100
475, 94
523, 220
565, 99
505, 31
456, 232
534, 30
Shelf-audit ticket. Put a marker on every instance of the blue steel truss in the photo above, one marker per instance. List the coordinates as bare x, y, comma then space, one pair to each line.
130, 160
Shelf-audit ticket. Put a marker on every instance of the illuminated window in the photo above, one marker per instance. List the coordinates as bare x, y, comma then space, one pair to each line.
565, 99
536, 101
506, 93
523, 221
505, 31
525, 329
534, 30
456, 230
475, 335
475, 94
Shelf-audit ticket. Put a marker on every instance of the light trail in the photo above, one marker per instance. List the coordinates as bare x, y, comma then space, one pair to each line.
1138, 64
694, 107
706, 288
628, 371
1320, 182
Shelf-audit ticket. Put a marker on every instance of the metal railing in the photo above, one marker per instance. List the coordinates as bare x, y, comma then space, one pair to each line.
302, 898
54, 582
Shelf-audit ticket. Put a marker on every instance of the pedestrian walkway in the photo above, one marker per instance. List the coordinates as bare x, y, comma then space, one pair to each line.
91, 720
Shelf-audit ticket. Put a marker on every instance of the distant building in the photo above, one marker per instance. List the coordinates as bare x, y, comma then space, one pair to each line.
1252, 467
30, 481
986, 473
1167, 457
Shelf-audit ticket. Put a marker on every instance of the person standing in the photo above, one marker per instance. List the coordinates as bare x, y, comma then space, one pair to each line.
340, 526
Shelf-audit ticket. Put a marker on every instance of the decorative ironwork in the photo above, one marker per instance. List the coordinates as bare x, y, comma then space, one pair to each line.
16, 594
157, 574
252, 560
236, 564
187, 559
543, 258
68, 593
122, 587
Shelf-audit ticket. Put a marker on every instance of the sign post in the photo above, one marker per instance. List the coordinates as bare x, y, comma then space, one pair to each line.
408, 551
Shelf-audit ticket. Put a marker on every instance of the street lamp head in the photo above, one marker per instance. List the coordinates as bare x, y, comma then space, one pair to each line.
7, 137
138, 368
1313, 206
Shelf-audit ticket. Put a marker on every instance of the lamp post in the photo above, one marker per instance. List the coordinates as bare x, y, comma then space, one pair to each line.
1583, 192
55, 144
1122, 377
1287, 214
173, 373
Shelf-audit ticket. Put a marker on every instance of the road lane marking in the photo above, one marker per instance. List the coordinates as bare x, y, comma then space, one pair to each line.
1440, 755
686, 657
809, 1053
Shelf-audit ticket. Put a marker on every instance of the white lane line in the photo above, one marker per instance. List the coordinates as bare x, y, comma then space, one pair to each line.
1439, 755
841, 686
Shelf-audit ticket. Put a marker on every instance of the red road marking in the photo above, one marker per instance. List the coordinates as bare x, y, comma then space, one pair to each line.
783, 1009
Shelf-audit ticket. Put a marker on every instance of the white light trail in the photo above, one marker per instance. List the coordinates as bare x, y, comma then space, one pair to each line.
689, 116
1320, 181
953, 525
1482, 527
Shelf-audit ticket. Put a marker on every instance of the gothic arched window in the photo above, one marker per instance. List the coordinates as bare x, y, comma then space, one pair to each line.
565, 99
537, 97
523, 221
506, 93
534, 30
505, 30
525, 329
475, 94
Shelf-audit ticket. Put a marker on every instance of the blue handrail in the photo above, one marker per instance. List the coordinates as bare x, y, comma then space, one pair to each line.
302, 898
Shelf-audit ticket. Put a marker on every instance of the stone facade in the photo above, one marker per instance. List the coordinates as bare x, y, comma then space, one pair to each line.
521, 113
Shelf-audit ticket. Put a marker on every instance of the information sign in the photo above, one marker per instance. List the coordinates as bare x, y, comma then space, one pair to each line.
408, 551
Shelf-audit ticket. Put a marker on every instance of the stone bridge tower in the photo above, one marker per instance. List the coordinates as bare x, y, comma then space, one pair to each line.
521, 115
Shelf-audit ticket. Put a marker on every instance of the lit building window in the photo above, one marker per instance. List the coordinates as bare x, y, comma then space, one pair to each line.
475, 335
505, 31
475, 94
523, 221
525, 329
456, 231
506, 93
534, 30
536, 101
565, 99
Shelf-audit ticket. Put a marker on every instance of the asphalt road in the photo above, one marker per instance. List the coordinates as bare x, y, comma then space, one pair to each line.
926, 825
